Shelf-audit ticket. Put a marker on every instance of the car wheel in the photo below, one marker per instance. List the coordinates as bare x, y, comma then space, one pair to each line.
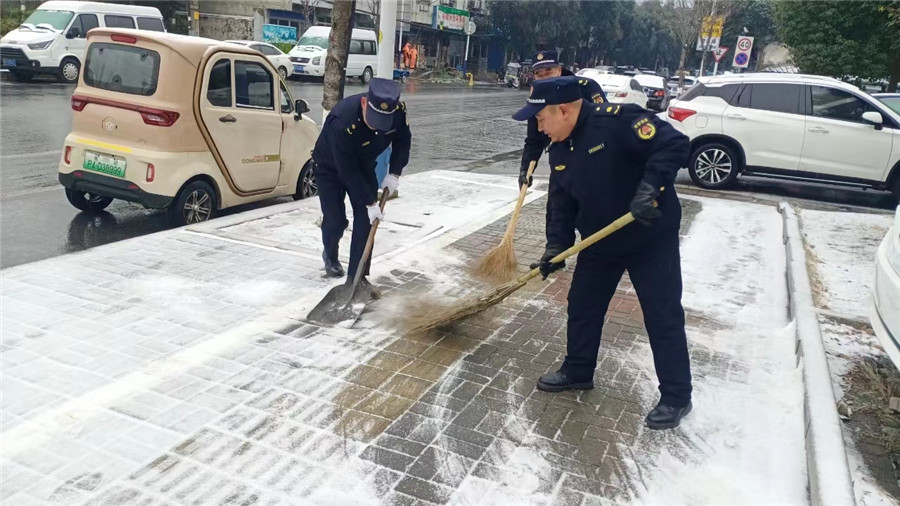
20, 76
283, 73
713, 166
87, 202
366, 75
306, 183
68, 72
895, 188
195, 203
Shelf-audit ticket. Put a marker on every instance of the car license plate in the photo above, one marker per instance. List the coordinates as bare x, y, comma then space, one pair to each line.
9, 63
104, 164
298, 68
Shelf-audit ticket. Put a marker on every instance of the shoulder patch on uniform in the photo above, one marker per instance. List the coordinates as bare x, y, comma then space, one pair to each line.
559, 167
608, 110
596, 148
644, 128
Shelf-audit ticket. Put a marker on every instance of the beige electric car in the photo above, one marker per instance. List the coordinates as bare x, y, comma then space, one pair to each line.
186, 124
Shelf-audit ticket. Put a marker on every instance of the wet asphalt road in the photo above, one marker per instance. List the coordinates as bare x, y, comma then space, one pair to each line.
457, 128
453, 127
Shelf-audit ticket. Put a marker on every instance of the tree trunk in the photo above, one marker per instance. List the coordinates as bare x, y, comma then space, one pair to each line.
684, 52
894, 68
338, 48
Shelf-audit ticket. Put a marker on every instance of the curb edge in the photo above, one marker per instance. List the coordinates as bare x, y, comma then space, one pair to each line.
826, 458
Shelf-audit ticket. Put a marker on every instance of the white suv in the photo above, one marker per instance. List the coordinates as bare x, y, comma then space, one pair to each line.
791, 126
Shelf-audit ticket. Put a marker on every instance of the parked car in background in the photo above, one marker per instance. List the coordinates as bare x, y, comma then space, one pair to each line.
790, 126
621, 89
52, 39
672, 84
891, 100
279, 60
655, 89
153, 137
885, 310
308, 56
591, 72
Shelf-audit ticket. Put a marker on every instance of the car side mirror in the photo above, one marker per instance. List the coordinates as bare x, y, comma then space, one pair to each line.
873, 118
300, 107
71, 34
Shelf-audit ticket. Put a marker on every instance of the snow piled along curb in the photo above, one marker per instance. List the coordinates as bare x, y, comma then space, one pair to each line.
829, 472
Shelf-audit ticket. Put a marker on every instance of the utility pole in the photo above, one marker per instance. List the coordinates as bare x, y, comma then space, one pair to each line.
387, 27
400, 41
193, 12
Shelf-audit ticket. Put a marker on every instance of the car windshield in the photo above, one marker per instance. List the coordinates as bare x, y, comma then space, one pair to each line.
313, 40
57, 19
650, 81
892, 102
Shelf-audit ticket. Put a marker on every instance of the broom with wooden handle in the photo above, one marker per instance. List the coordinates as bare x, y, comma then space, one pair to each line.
499, 264
431, 318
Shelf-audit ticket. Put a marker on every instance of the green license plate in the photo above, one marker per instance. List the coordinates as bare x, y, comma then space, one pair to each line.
104, 164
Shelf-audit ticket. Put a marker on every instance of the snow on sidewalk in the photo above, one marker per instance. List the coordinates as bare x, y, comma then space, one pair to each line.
841, 250
743, 443
173, 369
841, 247
113, 355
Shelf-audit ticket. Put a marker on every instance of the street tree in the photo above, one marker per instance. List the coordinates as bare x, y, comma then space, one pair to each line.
858, 40
338, 48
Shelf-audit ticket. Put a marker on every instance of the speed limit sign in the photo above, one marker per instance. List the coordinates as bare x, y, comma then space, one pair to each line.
742, 54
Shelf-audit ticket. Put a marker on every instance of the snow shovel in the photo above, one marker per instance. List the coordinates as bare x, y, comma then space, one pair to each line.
343, 304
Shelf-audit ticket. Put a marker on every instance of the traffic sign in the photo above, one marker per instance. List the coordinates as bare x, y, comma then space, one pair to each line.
742, 53
470, 28
719, 53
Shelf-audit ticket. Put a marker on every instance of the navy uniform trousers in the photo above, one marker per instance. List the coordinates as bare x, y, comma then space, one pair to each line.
655, 272
332, 193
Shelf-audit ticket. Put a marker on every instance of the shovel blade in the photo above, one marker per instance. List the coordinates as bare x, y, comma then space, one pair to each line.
341, 306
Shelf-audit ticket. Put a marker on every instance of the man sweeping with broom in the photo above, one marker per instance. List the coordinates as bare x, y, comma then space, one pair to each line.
608, 160
547, 66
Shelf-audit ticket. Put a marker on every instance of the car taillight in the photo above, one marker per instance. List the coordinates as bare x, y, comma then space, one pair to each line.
679, 114
68, 156
660, 93
158, 117
151, 172
78, 103
622, 94
128, 39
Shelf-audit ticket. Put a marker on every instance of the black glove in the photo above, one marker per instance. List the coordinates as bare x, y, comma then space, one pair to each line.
546, 266
642, 204
524, 178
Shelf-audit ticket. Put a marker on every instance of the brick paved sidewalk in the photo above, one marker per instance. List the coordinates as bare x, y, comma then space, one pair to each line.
272, 410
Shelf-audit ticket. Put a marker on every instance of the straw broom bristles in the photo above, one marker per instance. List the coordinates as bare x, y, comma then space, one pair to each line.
499, 264
429, 315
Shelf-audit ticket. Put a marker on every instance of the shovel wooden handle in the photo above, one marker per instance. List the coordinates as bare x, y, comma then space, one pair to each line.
584, 243
371, 240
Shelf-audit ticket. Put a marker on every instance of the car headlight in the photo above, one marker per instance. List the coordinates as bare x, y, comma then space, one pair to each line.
40, 45
316, 60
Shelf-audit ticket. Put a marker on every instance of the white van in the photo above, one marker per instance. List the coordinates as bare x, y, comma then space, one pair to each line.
52, 39
309, 54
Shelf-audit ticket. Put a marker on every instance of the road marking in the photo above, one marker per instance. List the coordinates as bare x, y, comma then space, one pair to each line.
56, 152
